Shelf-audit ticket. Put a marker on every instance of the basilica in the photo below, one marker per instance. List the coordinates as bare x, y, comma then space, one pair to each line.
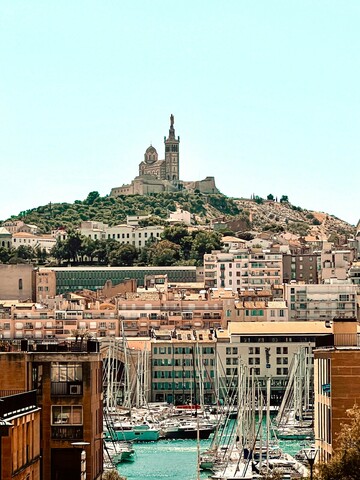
157, 176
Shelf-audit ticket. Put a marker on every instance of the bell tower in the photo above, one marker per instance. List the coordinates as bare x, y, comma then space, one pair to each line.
172, 154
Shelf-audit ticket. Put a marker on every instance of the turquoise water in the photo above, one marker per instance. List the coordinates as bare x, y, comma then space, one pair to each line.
165, 459
174, 459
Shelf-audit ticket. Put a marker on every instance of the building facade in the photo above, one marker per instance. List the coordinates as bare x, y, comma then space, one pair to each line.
316, 302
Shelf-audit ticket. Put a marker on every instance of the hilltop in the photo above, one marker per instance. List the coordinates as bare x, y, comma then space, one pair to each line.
255, 215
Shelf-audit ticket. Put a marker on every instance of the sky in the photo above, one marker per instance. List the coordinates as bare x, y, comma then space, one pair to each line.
265, 94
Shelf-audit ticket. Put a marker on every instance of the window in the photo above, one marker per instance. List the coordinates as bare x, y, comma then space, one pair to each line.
20, 284
66, 372
66, 415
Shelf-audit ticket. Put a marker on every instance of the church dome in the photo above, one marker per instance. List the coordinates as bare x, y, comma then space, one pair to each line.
151, 155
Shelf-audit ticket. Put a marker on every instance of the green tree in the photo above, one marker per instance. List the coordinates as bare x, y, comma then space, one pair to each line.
270, 197
175, 233
345, 462
204, 242
124, 256
164, 253
284, 199
90, 199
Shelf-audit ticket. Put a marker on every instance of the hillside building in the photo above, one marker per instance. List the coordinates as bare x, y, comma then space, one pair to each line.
156, 175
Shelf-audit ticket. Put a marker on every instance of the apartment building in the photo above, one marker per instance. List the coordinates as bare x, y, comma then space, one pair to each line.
303, 267
19, 436
337, 382
267, 348
66, 317
141, 312
354, 273
335, 264
183, 367
68, 388
44, 242
260, 311
316, 302
124, 233
252, 268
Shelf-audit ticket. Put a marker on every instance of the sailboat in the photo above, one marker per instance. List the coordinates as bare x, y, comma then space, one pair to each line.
295, 417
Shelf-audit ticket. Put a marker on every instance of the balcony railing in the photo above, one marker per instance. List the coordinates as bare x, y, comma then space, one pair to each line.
67, 433
16, 404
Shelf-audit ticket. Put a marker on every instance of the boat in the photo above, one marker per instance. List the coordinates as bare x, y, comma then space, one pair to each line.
187, 430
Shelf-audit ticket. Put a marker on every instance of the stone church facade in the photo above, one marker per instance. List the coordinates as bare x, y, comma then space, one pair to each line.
156, 176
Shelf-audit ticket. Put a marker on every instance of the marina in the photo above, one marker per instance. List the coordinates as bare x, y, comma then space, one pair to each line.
174, 459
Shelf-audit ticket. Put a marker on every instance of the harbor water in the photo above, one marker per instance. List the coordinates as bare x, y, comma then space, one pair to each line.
174, 459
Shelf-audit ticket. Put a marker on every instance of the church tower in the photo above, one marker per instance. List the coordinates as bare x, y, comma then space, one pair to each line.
172, 154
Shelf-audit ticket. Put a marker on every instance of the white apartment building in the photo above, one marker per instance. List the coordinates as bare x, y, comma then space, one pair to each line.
316, 302
244, 268
265, 348
133, 235
35, 241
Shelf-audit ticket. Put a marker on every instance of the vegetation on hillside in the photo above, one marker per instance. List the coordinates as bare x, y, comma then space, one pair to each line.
113, 211
176, 247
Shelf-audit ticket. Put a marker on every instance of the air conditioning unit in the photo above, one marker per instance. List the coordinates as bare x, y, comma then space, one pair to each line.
75, 389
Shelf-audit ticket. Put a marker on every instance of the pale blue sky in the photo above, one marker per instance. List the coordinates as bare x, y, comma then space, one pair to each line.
265, 96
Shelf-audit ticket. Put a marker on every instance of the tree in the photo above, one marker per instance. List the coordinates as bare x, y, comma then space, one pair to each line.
112, 475
90, 199
124, 256
345, 462
270, 197
175, 233
284, 199
164, 253
204, 242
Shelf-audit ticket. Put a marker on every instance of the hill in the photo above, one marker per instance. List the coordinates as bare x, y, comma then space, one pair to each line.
254, 215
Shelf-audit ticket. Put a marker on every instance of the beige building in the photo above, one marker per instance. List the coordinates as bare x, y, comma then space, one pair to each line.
130, 234
335, 264
244, 268
17, 282
142, 312
267, 348
156, 175
25, 239
317, 302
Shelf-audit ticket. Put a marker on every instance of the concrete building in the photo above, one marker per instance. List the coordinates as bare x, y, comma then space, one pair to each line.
267, 348
337, 382
301, 267
17, 282
72, 279
180, 216
128, 234
183, 367
142, 312
316, 302
245, 268
26, 239
68, 385
335, 264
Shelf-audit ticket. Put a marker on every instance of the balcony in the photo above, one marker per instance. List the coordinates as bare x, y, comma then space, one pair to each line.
66, 388
67, 433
